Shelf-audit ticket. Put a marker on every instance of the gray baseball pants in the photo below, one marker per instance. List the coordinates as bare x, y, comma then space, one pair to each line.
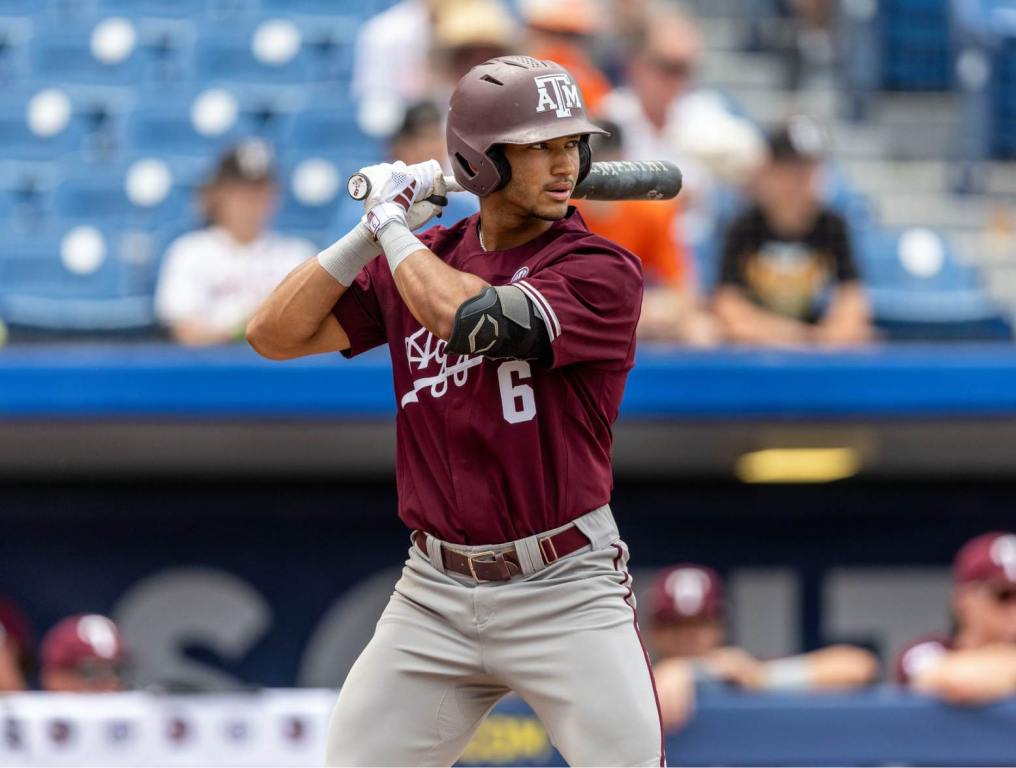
446, 649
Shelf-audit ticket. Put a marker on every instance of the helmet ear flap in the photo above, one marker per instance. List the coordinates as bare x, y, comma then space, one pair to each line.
585, 158
504, 168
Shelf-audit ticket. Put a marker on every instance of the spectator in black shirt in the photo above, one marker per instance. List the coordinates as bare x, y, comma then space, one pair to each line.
788, 275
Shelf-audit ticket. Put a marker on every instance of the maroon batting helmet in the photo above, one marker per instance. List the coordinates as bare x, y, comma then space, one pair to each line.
512, 100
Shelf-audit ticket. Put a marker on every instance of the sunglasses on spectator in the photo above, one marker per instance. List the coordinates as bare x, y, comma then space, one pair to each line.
682, 68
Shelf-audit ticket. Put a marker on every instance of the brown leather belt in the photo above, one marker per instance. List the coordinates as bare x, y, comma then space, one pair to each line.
491, 565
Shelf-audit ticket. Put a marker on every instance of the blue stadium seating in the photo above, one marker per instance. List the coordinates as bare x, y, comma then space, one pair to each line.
334, 132
18, 141
38, 289
164, 124
917, 47
227, 55
941, 299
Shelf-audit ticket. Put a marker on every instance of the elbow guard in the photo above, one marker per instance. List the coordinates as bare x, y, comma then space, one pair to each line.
500, 322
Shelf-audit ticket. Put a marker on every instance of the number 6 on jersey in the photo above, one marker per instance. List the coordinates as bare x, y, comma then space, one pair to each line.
517, 401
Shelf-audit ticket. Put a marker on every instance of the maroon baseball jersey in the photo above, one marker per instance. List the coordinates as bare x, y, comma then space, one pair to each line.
921, 655
495, 450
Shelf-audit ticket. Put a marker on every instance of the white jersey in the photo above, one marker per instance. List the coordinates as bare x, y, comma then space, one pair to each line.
209, 278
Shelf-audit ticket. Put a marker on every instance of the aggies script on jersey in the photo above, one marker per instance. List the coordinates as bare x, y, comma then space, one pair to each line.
495, 450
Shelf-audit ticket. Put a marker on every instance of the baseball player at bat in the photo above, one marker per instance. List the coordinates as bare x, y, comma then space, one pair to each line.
511, 334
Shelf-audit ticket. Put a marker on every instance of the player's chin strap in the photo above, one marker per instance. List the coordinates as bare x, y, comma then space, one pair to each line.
500, 321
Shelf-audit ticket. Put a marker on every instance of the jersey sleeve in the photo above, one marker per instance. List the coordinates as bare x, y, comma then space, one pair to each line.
590, 302
359, 312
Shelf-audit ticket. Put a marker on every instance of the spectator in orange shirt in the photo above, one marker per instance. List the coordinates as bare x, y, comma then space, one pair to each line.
671, 309
562, 31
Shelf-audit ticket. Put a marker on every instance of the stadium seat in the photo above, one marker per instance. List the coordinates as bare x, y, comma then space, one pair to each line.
39, 124
188, 123
311, 186
76, 276
15, 34
917, 48
919, 290
272, 51
329, 42
139, 192
334, 132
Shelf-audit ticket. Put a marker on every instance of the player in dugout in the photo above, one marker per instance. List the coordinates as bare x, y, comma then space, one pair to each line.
83, 653
511, 335
688, 634
975, 663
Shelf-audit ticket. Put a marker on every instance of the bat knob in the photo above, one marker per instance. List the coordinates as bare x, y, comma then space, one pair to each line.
358, 186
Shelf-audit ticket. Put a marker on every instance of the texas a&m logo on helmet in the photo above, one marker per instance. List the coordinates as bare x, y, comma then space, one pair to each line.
559, 93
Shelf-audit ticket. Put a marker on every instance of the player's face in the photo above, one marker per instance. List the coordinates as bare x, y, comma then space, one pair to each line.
988, 612
543, 176
687, 639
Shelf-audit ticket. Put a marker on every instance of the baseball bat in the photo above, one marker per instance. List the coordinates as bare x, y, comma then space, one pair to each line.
607, 180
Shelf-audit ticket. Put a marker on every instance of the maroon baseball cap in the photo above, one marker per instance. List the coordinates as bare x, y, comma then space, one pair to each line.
989, 558
82, 638
687, 591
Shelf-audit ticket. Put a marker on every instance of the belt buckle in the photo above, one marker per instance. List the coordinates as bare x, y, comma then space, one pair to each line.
549, 541
472, 568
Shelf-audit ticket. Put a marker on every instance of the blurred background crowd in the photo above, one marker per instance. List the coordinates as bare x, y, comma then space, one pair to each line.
164, 164
686, 620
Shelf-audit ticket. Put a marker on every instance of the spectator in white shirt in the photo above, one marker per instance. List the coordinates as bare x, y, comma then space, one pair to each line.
214, 279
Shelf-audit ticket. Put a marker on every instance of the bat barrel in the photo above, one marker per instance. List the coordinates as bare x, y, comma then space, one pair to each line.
630, 180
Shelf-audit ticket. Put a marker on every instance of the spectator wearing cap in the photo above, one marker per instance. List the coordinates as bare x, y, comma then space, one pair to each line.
688, 635
671, 309
421, 137
975, 663
467, 33
213, 280
564, 31
83, 654
15, 643
788, 274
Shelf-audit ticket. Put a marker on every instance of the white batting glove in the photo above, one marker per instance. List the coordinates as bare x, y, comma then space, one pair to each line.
424, 210
395, 189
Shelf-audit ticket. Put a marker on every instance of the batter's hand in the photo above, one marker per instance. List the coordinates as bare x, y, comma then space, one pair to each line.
395, 188
423, 211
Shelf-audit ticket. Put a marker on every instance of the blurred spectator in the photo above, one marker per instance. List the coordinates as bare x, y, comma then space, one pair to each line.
214, 279
688, 634
812, 48
422, 137
83, 654
390, 67
467, 33
563, 31
976, 662
788, 254
650, 230
14, 647
665, 117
